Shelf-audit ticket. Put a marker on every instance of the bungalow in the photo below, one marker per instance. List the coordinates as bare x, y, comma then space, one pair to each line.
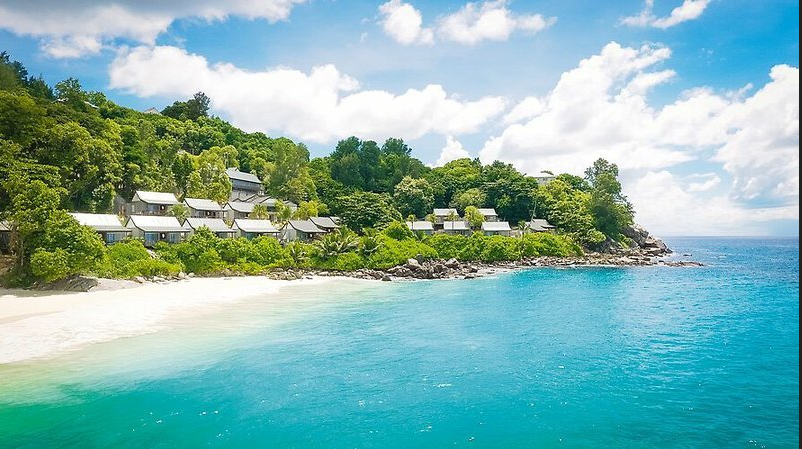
238, 209
539, 225
325, 223
254, 228
151, 203
242, 182
154, 229
441, 215
496, 228
456, 227
543, 180
303, 230
5, 237
271, 203
489, 214
107, 225
203, 208
425, 227
216, 225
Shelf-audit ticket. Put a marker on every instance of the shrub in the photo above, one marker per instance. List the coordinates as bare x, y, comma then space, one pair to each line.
347, 262
447, 246
498, 248
266, 251
544, 244
394, 252
398, 230
50, 265
155, 267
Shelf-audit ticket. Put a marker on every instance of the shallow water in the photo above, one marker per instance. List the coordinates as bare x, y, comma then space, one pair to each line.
649, 357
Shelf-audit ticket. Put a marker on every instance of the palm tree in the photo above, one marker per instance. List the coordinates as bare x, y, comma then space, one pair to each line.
179, 211
259, 212
338, 242
474, 217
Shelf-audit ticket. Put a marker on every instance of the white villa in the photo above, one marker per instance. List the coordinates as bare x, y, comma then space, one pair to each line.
489, 214
302, 230
154, 228
203, 208
423, 226
456, 227
216, 225
325, 223
539, 225
238, 209
151, 203
254, 228
496, 228
441, 215
107, 225
243, 182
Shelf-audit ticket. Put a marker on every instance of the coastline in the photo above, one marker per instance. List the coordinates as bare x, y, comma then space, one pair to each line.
43, 324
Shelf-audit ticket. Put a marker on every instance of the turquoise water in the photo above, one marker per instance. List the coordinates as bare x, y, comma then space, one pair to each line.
606, 357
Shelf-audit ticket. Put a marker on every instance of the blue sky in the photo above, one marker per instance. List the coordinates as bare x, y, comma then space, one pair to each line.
679, 94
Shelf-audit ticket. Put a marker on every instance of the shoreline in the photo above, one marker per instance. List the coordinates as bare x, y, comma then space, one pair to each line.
45, 324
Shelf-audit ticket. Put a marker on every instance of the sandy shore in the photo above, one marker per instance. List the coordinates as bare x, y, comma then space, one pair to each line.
43, 324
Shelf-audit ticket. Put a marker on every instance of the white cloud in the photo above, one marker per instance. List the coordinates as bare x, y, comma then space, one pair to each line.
473, 23
688, 10
665, 208
451, 152
491, 20
708, 181
404, 23
320, 106
74, 28
601, 109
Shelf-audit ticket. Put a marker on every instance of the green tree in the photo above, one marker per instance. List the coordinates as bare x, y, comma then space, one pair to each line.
471, 197
474, 217
259, 212
361, 210
413, 196
179, 211
192, 109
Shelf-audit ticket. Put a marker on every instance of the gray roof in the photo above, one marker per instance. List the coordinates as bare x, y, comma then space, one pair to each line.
495, 226
420, 225
324, 222
155, 197
100, 222
539, 224
202, 204
456, 226
255, 226
234, 173
444, 212
304, 226
490, 212
155, 223
4, 226
239, 206
214, 224
152, 111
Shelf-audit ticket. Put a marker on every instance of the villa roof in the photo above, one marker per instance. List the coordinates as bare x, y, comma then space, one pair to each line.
4, 226
255, 226
100, 222
155, 197
239, 206
444, 212
234, 173
539, 224
495, 226
305, 226
489, 212
420, 225
202, 204
455, 226
214, 224
324, 222
155, 223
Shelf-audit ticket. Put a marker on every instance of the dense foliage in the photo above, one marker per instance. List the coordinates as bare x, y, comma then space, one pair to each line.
66, 149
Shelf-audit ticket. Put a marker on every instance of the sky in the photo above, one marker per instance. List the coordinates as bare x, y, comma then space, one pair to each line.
697, 101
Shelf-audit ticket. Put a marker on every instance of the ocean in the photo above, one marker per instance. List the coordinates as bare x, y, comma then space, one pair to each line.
641, 357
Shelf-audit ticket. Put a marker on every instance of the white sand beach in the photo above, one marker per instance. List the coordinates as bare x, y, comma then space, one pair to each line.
44, 324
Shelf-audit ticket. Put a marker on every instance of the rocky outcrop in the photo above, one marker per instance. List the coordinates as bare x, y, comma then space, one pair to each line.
70, 284
650, 245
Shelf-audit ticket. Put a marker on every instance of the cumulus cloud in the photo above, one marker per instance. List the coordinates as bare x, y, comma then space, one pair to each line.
320, 106
451, 152
74, 28
664, 207
601, 109
471, 24
402, 22
688, 10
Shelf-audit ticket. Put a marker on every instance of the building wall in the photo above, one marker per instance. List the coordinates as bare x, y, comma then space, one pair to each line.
245, 186
142, 208
195, 213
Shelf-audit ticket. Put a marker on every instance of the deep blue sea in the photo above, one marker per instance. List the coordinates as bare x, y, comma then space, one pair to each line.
649, 357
